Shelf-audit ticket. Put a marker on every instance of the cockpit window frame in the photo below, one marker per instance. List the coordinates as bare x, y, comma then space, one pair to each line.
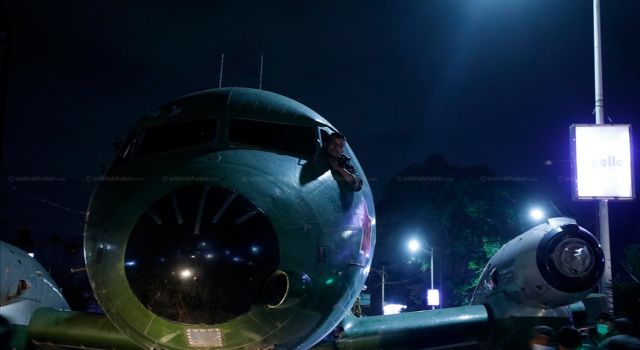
221, 139
136, 138
317, 145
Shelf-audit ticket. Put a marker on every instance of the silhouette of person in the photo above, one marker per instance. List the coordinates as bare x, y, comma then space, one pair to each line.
339, 163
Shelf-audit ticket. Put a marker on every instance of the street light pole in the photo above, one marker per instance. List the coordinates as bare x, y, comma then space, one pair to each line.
432, 306
414, 246
384, 278
603, 205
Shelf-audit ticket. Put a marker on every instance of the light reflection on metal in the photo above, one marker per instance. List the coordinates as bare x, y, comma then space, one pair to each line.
347, 233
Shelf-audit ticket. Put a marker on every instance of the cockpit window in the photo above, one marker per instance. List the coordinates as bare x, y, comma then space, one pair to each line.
285, 138
167, 137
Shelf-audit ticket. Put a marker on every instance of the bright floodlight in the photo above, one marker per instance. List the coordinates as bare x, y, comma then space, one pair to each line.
414, 245
536, 214
392, 309
186, 273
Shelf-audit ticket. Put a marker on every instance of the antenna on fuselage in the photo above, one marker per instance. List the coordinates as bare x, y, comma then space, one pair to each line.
261, 66
221, 70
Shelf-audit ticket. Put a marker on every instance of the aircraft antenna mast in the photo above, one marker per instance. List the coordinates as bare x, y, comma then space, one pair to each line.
221, 70
261, 66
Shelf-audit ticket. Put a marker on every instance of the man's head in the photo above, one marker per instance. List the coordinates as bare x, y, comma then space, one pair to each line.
569, 338
335, 145
604, 323
542, 337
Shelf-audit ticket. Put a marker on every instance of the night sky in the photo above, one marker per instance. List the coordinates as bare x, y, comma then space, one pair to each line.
494, 82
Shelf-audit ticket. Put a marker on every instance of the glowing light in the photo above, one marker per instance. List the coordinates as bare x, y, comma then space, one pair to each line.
209, 256
414, 245
31, 254
130, 263
329, 281
536, 214
433, 297
186, 273
255, 249
392, 309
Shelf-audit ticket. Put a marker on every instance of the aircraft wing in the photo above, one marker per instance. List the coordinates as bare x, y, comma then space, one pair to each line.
56, 329
464, 326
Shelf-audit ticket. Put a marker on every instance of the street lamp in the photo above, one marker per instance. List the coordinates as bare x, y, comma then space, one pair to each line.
414, 246
536, 214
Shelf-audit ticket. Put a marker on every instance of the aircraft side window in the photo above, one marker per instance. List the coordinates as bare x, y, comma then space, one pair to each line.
324, 136
132, 143
22, 287
284, 138
172, 136
494, 276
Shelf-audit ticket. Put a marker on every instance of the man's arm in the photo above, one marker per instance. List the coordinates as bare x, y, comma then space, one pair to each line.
348, 173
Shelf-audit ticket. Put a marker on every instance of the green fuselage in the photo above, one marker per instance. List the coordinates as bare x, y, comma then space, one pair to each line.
290, 292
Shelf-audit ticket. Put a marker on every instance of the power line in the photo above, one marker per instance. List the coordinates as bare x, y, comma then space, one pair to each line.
43, 200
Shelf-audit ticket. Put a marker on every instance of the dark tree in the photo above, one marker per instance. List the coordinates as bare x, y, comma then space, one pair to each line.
466, 213
626, 287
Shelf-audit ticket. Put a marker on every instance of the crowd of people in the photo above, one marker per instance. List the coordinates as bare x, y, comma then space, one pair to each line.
609, 333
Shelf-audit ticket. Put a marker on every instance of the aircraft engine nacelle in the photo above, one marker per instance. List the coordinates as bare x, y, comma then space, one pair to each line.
218, 226
553, 264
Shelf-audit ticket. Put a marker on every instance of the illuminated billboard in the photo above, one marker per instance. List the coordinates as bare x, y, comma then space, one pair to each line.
433, 297
602, 161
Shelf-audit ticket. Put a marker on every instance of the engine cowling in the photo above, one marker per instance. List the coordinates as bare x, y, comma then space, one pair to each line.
553, 264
